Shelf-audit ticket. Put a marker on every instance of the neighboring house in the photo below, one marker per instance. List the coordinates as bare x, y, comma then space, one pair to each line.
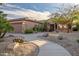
21, 24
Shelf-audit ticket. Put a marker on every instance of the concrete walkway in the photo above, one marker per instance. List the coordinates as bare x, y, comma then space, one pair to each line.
47, 48
50, 49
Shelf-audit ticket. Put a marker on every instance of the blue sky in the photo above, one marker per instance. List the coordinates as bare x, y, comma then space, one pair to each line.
37, 11
39, 6
42, 6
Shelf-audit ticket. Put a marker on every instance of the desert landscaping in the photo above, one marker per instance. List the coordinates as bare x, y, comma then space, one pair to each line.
68, 42
39, 32
33, 46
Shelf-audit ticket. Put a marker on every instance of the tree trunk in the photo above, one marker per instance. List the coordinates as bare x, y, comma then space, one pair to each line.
3, 35
0, 34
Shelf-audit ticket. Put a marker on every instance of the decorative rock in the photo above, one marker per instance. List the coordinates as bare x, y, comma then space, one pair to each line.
22, 49
45, 35
11, 36
60, 37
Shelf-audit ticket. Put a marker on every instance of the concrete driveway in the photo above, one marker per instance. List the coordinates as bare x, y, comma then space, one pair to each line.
47, 48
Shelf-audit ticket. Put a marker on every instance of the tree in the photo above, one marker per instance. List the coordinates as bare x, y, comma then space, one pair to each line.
5, 26
71, 14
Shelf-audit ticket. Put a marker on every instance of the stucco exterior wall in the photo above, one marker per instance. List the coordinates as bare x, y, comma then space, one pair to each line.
29, 24
21, 26
17, 27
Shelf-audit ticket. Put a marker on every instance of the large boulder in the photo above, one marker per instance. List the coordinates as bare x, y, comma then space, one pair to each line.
21, 49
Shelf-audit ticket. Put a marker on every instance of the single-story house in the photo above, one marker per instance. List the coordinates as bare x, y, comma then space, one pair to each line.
21, 24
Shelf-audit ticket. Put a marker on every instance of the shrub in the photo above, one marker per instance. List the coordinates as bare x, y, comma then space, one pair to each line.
38, 28
77, 40
75, 29
28, 31
1, 40
60, 37
18, 40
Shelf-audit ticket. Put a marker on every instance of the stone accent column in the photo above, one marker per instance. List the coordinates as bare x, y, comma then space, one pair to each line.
23, 27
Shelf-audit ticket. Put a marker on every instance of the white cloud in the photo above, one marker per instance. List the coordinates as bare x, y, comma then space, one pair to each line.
14, 6
21, 12
36, 15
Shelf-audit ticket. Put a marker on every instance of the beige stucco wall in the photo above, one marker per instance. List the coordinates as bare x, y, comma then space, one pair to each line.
20, 26
17, 27
29, 24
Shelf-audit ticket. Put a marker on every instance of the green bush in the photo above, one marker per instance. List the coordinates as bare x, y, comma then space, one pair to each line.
77, 26
77, 40
38, 28
28, 31
75, 29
